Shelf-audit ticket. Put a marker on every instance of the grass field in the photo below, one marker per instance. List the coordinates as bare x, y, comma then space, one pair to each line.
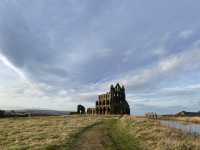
87, 132
41, 132
153, 136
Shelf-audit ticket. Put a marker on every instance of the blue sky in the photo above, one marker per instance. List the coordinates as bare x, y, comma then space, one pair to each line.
57, 54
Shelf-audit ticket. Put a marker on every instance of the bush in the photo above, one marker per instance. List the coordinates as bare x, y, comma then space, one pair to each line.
2, 113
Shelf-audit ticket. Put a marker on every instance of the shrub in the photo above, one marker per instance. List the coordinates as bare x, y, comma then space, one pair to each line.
2, 113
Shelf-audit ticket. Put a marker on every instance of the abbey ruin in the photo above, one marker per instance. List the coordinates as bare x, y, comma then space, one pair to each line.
112, 102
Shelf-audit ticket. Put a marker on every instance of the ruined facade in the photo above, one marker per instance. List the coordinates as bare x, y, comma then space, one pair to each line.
91, 111
113, 102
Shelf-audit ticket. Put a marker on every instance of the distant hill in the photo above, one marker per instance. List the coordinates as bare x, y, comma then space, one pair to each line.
35, 112
185, 113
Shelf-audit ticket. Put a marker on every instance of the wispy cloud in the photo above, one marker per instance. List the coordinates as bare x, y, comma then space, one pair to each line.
6, 62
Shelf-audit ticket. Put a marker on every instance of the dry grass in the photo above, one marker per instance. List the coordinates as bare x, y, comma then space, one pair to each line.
155, 137
41, 132
59, 132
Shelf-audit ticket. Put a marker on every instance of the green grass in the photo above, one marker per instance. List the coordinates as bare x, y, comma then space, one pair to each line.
120, 136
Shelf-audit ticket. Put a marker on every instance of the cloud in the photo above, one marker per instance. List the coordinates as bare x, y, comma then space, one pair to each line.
186, 34
6, 62
165, 70
70, 51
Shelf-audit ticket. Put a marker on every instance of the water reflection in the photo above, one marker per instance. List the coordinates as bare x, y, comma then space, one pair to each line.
186, 127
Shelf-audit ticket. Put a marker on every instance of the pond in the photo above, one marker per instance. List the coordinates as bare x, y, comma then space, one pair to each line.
185, 127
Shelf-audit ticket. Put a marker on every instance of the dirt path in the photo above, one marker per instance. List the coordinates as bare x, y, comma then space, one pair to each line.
95, 138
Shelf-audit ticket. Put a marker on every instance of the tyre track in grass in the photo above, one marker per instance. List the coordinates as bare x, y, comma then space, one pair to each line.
94, 138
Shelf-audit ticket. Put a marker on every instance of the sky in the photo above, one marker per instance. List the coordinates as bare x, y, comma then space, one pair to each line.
57, 54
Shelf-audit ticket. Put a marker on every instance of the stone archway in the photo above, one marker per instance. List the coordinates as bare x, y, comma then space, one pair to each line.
80, 109
97, 110
104, 110
108, 110
100, 111
108, 102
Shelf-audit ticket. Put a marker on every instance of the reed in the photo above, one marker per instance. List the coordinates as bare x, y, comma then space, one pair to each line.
185, 119
153, 136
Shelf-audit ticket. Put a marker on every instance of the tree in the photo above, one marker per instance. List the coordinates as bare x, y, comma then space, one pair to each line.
2, 113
